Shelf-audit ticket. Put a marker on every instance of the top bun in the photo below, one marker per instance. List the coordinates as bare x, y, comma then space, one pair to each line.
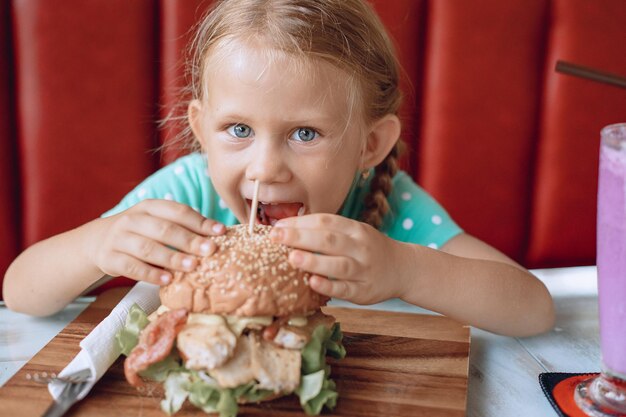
248, 275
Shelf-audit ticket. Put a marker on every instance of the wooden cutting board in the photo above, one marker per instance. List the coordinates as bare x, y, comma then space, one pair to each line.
398, 364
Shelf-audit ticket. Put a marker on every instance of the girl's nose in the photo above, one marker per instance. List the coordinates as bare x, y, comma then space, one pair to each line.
267, 163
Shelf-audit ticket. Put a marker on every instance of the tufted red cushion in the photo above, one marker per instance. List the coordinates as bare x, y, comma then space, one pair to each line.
177, 20
405, 20
86, 105
482, 89
9, 180
562, 228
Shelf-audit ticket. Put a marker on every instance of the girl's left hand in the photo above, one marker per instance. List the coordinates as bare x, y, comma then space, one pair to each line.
359, 259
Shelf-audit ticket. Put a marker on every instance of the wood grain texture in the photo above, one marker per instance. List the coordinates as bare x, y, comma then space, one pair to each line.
398, 364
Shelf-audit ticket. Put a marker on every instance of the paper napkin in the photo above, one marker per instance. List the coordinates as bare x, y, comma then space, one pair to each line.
100, 348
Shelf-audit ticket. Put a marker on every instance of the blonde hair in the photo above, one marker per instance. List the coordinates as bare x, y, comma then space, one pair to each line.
346, 33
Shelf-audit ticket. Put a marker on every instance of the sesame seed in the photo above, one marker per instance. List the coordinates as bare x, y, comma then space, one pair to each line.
258, 265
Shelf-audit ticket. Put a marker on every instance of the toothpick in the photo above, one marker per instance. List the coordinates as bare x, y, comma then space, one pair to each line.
255, 205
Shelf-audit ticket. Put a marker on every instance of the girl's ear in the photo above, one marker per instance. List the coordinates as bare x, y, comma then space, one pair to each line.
383, 135
194, 116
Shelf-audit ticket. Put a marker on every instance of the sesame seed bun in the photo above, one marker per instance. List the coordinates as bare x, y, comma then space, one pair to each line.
248, 275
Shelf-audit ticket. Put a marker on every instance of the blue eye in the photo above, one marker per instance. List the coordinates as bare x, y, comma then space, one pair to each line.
304, 134
240, 131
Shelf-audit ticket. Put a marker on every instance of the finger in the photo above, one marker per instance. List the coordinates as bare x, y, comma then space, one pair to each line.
332, 288
133, 268
172, 234
332, 266
183, 215
320, 221
316, 240
154, 253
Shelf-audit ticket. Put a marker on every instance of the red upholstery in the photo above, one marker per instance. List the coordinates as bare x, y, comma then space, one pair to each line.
482, 90
573, 112
177, 22
86, 99
9, 199
507, 145
400, 18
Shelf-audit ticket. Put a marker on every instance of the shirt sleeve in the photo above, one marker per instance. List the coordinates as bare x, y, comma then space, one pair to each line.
415, 216
186, 181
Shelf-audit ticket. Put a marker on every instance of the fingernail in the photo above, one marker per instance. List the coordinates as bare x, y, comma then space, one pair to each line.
279, 223
187, 262
205, 247
296, 258
218, 228
165, 279
276, 234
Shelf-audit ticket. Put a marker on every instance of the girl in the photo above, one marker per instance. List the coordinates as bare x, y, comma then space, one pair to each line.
301, 95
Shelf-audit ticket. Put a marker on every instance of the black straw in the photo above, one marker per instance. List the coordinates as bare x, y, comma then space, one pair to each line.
590, 74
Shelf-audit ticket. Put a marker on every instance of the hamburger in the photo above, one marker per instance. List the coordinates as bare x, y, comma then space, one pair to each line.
243, 327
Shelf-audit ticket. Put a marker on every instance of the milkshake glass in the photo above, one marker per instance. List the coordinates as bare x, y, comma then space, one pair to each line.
605, 395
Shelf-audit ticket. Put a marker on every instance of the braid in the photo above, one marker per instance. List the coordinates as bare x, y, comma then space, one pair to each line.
376, 204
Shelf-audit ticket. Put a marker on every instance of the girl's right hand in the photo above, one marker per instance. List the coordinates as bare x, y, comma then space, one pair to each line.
138, 242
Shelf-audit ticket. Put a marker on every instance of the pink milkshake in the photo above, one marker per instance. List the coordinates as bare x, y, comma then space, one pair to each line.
611, 256
605, 395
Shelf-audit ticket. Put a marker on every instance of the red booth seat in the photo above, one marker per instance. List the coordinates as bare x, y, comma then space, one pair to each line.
507, 145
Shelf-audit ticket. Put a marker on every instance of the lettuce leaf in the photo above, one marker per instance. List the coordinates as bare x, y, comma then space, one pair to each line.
336, 350
204, 396
128, 336
176, 391
256, 394
335, 333
160, 370
313, 354
334, 346
251, 392
323, 341
326, 397
212, 399
316, 389
310, 386
321, 392
182, 385
227, 405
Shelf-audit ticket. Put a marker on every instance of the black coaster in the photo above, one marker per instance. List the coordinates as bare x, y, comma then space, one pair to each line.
562, 400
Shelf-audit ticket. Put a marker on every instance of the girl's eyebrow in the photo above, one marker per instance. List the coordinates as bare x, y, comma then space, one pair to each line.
234, 116
310, 119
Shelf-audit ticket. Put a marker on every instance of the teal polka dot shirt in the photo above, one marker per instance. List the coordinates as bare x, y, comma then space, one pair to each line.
414, 216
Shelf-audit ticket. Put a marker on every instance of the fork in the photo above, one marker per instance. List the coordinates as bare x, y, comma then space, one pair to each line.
73, 384
74, 377
66, 399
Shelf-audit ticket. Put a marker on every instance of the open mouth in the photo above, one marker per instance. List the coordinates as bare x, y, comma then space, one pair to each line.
269, 213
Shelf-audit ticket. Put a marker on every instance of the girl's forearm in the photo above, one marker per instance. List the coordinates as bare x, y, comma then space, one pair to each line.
491, 295
51, 273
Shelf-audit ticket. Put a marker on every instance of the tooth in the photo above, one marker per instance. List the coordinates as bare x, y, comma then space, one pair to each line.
301, 211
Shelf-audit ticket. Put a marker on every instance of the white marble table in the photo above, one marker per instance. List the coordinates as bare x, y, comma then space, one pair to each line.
503, 370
